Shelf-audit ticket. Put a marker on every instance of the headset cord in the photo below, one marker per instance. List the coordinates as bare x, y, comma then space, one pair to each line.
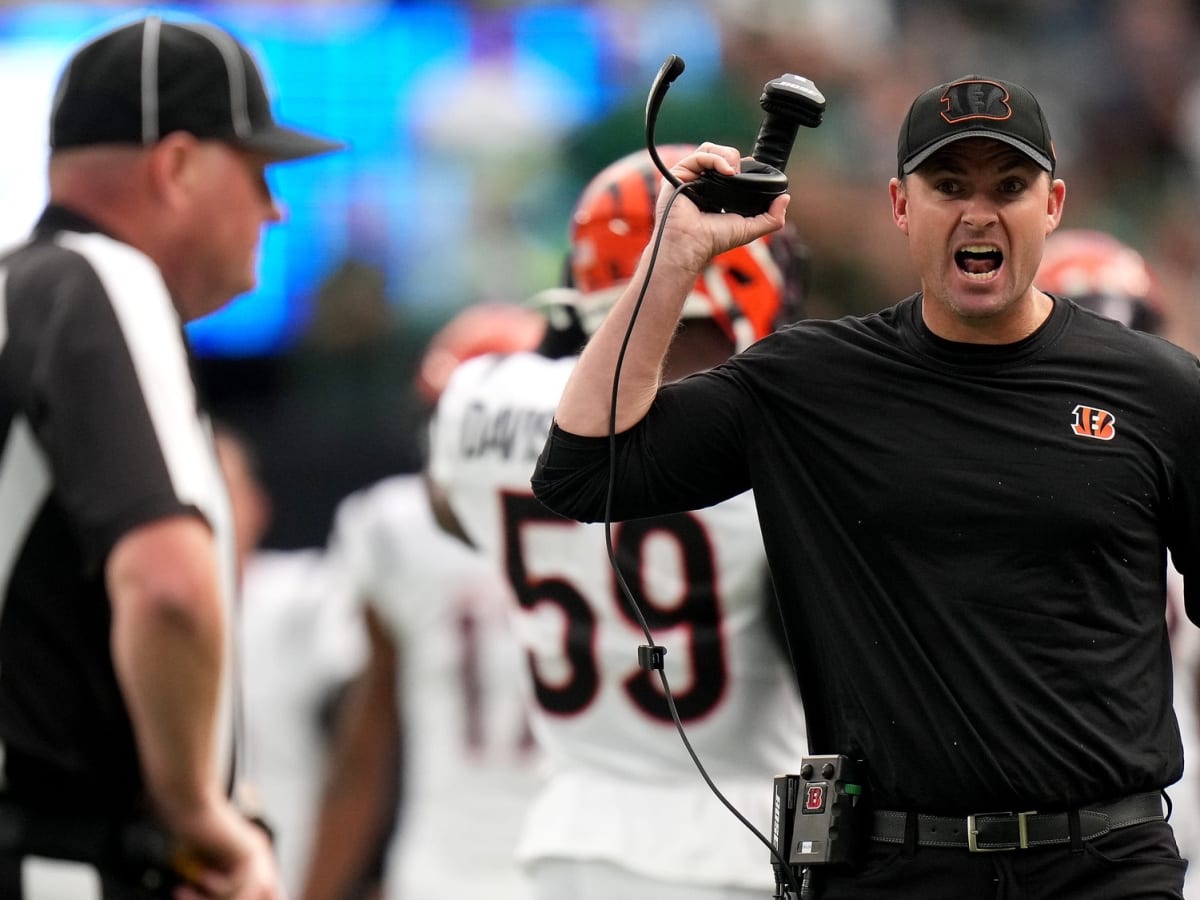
653, 655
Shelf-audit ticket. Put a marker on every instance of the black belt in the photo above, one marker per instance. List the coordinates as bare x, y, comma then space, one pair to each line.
984, 832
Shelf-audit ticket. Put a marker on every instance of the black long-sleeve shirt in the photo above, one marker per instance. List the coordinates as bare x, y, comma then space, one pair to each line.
969, 542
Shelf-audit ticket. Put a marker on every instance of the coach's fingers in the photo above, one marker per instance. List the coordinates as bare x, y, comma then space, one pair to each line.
719, 158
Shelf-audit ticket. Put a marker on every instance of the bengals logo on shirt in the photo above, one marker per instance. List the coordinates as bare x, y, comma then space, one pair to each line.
1094, 423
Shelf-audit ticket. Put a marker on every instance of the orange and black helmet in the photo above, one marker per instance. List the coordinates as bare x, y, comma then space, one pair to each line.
750, 290
1103, 274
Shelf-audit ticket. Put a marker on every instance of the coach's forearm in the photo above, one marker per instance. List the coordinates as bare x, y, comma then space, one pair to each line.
690, 239
586, 403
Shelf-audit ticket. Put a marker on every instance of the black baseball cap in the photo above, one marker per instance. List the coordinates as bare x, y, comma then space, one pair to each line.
974, 106
139, 82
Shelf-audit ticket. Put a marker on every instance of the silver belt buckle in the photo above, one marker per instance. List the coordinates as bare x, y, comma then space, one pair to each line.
1022, 832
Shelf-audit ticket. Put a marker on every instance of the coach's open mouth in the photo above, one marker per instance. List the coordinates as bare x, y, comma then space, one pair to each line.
979, 261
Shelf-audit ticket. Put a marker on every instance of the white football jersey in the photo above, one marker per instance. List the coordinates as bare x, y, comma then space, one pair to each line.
623, 787
290, 613
470, 759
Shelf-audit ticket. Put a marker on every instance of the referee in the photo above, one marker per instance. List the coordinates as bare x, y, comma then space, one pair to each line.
116, 545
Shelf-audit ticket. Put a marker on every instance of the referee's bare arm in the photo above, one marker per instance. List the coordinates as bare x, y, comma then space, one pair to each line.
168, 639
690, 240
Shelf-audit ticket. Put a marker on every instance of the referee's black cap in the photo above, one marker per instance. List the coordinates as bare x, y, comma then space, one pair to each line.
139, 82
974, 106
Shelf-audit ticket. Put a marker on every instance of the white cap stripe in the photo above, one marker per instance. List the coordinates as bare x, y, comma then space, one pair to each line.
150, 45
237, 77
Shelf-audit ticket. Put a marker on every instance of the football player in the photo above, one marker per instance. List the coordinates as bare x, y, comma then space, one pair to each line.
442, 674
624, 812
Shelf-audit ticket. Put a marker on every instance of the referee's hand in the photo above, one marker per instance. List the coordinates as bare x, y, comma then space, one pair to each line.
222, 856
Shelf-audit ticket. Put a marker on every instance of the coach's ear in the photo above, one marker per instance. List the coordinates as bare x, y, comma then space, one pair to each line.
899, 204
1054, 203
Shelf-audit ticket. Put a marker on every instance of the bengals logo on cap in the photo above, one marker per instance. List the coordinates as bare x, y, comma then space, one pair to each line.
968, 100
1094, 423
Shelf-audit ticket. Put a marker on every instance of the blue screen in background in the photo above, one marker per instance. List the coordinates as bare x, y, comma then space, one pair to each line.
451, 187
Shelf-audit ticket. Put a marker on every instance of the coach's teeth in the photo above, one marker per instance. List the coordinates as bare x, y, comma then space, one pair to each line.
979, 259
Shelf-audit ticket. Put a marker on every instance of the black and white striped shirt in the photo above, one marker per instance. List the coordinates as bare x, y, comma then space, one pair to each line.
100, 432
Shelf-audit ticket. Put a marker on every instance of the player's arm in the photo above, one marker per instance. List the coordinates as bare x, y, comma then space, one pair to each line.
443, 512
441, 464
690, 240
358, 801
168, 649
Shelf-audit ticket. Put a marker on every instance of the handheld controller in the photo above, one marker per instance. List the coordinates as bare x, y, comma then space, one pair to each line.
789, 101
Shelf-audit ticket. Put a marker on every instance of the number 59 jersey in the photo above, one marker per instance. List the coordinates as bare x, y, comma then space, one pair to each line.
699, 579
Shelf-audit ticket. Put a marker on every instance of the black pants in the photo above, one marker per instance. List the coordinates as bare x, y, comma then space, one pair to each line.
98, 884
1140, 862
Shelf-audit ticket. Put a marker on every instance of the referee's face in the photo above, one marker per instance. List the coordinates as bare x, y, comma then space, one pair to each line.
229, 209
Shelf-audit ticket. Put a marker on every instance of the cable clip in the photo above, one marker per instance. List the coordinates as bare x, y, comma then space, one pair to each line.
651, 657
